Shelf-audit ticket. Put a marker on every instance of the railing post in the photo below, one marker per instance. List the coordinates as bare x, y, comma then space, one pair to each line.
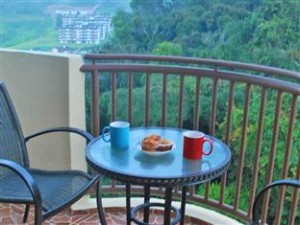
95, 121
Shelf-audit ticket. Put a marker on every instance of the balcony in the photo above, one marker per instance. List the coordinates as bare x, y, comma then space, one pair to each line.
254, 109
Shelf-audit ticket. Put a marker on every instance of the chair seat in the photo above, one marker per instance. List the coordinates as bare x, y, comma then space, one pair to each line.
13, 189
57, 187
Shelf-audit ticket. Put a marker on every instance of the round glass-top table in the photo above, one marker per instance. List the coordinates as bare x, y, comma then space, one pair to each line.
133, 166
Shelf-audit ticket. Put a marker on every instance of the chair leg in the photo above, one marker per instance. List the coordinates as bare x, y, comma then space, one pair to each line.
26, 213
38, 217
99, 204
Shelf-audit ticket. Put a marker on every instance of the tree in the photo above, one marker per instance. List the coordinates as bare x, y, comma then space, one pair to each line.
277, 34
167, 48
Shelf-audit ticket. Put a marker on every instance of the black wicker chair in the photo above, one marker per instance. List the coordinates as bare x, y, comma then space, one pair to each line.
49, 191
257, 205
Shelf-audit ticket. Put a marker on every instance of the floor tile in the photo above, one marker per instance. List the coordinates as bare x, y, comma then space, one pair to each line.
12, 214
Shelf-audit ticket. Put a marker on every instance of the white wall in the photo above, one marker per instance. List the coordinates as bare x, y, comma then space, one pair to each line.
48, 91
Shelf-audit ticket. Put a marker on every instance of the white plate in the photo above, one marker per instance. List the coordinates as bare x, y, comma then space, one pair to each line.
156, 153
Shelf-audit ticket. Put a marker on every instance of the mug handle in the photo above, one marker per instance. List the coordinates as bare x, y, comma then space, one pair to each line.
105, 130
210, 144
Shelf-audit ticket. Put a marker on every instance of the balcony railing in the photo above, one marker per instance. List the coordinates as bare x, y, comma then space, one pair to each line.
254, 109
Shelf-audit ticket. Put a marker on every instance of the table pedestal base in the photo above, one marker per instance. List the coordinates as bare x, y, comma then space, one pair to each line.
167, 206
135, 210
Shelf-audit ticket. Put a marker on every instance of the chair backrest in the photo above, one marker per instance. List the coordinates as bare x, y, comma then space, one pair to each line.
258, 202
12, 145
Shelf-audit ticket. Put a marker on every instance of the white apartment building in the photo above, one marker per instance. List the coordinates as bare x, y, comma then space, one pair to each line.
76, 26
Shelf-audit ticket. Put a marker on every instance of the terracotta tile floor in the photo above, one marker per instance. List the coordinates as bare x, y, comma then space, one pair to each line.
12, 214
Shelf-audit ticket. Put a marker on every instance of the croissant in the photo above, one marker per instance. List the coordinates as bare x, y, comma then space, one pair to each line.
154, 142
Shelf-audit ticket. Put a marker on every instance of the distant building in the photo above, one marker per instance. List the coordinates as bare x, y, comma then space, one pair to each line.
75, 26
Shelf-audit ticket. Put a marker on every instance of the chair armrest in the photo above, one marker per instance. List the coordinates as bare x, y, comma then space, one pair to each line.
26, 177
259, 198
82, 133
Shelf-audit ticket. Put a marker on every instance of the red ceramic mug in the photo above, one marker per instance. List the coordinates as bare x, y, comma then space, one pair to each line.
193, 142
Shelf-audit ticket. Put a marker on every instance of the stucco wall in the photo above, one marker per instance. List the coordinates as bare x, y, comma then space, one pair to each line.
48, 91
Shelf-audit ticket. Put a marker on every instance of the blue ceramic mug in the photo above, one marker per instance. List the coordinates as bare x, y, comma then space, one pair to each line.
119, 134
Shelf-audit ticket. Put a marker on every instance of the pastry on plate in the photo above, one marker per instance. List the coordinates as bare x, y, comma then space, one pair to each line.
164, 145
154, 142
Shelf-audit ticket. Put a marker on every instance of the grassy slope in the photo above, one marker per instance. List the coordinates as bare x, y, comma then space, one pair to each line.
27, 31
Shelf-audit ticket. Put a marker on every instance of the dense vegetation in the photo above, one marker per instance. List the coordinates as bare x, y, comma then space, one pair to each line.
255, 31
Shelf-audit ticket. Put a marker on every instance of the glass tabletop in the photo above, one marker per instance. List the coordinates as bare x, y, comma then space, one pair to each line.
134, 163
